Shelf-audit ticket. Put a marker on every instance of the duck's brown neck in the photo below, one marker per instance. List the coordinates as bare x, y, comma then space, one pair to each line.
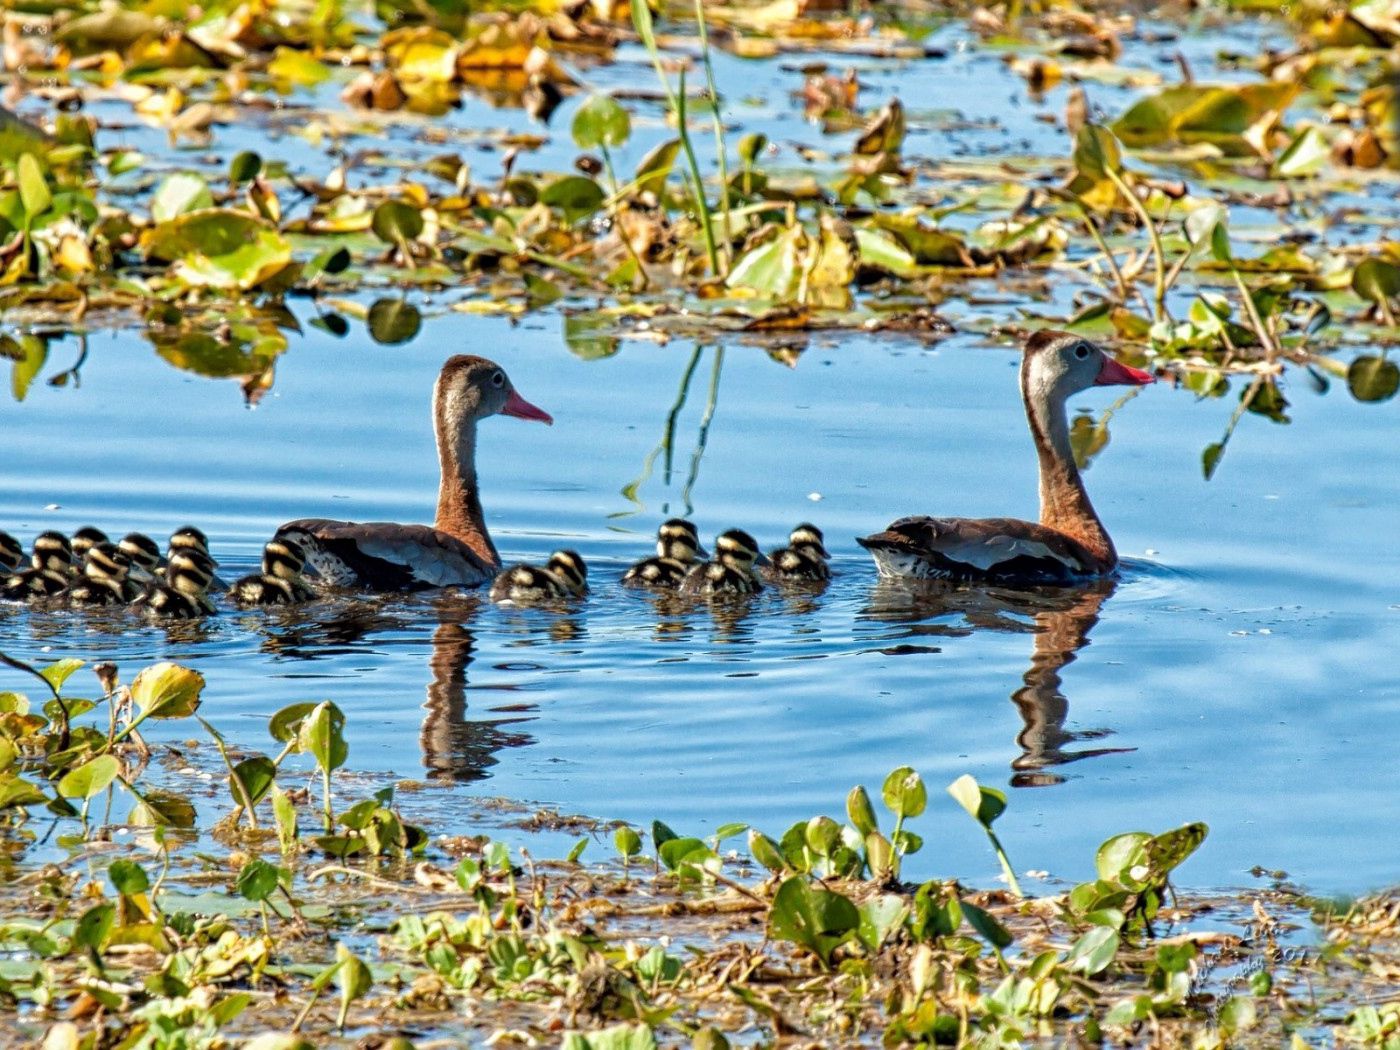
459, 506
1064, 505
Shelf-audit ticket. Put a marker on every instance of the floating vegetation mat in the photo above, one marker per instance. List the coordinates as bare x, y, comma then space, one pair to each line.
287, 902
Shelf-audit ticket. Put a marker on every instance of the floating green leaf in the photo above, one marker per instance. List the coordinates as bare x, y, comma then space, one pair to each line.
181, 193
1371, 378
393, 321
167, 690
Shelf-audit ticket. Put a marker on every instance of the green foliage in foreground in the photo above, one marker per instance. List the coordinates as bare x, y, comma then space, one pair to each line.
306, 914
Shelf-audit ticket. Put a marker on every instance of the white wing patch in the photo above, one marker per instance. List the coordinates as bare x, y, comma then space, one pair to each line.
988, 552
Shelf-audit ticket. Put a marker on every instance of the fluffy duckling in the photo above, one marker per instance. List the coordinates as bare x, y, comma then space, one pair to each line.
11, 553
564, 576
677, 550
280, 582
803, 559
144, 555
32, 584
189, 538
84, 540
732, 569
53, 552
183, 594
105, 578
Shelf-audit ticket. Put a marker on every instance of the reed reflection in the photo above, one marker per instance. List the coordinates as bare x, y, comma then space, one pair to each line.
1060, 620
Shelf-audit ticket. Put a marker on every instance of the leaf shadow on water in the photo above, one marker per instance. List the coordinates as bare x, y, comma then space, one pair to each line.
1060, 618
455, 747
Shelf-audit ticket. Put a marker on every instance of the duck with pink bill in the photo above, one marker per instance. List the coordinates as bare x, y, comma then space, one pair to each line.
1069, 543
456, 550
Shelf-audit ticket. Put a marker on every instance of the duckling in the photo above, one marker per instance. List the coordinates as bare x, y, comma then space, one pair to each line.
183, 594
564, 576
803, 559
144, 555
52, 551
189, 538
677, 549
280, 582
84, 540
731, 571
33, 583
105, 578
11, 553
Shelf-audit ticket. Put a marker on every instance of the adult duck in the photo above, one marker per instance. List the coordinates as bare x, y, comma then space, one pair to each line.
456, 550
1069, 543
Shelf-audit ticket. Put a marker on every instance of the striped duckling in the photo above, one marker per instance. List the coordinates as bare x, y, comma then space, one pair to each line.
280, 582
143, 553
189, 538
106, 579
677, 550
731, 571
50, 570
803, 559
183, 593
563, 576
84, 540
11, 553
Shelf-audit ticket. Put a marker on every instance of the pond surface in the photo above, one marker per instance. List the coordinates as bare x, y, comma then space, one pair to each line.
1239, 672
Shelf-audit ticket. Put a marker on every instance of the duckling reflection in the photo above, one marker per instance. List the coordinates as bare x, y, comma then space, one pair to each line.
1062, 618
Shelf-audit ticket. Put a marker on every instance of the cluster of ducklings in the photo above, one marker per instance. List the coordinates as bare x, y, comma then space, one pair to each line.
680, 565
90, 570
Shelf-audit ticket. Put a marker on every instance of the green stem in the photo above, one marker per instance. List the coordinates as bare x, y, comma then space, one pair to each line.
1159, 284
697, 181
721, 154
1005, 865
1266, 338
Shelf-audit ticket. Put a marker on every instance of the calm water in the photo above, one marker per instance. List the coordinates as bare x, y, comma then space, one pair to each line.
1240, 672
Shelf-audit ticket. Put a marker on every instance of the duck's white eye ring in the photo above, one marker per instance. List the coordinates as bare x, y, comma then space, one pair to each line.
1081, 350
498, 379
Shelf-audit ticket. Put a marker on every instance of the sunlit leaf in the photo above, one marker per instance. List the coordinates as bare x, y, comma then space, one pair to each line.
33, 186
816, 919
904, 792
180, 193
322, 736
1307, 154
167, 690
91, 778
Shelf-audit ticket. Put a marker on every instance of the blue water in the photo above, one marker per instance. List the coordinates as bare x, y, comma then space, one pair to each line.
1238, 674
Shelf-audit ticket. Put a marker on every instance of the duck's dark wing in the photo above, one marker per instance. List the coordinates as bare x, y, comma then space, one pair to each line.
1003, 550
382, 556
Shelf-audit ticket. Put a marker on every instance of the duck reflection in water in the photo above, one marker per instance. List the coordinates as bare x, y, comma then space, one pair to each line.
1061, 619
454, 746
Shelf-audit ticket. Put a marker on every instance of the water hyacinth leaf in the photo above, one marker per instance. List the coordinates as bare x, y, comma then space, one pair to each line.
163, 809
1123, 859
352, 978
34, 192
94, 926
764, 850
167, 690
627, 842
297, 67
128, 877
661, 833
17, 792
393, 321
1376, 280
772, 269
655, 167
251, 779
1371, 378
1306, 155
219, 248
329, 260
751, 147
686, 853
618, 1037
284, 724
59, 672
860, 812
575, 195
257, 880
880, 917
395, 222
91, 778
728, 831
816, 919
1096, 152
601, 121
987, 926
1093, 951
882, 251
823, 836
322, 736
983, 804
1200, 225
179, 194
904, 793
1167, 850
245, 167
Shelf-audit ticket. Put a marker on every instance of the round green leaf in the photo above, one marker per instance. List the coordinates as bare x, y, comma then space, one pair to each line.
601, 121
627, 842
860, 812
257, 880
284, 724
245, 167
1371, 378
904, 792
766, 851
393, 321
575, 195
128, 877
396, 221
254, 775
180, 193
322, 736
91, 778
1376, 280
167, 690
